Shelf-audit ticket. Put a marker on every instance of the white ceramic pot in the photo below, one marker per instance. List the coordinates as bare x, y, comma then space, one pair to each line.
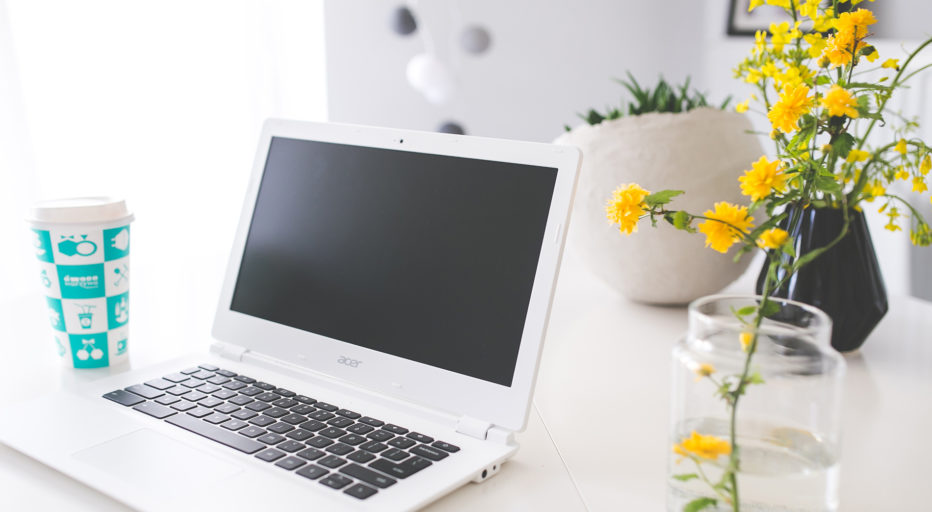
702, 152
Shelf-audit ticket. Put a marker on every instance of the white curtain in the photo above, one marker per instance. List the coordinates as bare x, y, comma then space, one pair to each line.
158, 102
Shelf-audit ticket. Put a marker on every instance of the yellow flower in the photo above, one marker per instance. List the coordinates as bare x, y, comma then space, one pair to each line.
726, 225
742, 107
855, 23
839, 102
901, 174
873, 56
704, 370
780, 35
857, 155
755, 4
875, 189
919, 184
901, 147
779, 3
891, 64
745, 338
925, 165
816, 44
809, 9
792, 104
626, 207
769, 69
754, 76
772, 238
922, 235
824, 22
763, 178
760, 42
707, 447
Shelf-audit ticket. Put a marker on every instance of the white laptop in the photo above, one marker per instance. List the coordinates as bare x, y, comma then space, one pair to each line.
377, 336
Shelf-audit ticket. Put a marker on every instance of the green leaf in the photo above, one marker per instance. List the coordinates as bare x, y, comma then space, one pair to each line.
769, 308
842, 144
824, 80
685, 477
755, 378
827, 184
681, 220
698, 504
746, 310
662, 197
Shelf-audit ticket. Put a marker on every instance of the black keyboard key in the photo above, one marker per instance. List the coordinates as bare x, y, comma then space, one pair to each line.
285, 403
208, 367
367, 475
331, 461
312, 425
360, 456
310, 453
302, 409
395, 429
160, 384
373, 446
332, 432
340, 422
290, 463
262, 421
243, 414
321, 415
420, 437
210, 402
250, 391
198, 412
208, 388
395, 454
290, 446
224, 394
230, 409
275, 412
446, 446
402, 469
268, 396
167, 399
429, 452
124, 397
294, 419
244, 379
252, 431
218, 380
313, 472
178, 391
155, 410
349, 414
380, 435
270, 454
185, 406
325, 406
360, 428
226, 373
336, 481
360, 491
202, 375
299, 435
371, 421
216, 418
285, 393
176, 378
264, 386
304, 399
233, 424
403, 443
235, 385
225, 437
255, 406
270, 438
281, 428
145, 391
353, 439
320, 442
190, 371
340, 449
241, 400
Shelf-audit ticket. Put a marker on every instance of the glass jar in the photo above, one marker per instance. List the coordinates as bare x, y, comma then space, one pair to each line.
784, 437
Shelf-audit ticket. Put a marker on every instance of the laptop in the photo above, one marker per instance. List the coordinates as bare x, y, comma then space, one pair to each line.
376, 341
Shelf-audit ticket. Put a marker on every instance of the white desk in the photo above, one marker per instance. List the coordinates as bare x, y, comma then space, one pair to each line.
605, 371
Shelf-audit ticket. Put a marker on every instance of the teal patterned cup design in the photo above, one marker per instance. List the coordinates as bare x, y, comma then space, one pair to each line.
84, 270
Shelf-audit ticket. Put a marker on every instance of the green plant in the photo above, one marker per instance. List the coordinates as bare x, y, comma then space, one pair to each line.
661, 98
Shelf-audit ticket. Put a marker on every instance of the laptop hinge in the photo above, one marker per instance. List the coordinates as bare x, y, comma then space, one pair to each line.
228, 350
473, 427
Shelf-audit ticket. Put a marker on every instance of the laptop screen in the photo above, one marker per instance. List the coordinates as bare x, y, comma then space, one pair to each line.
426, 257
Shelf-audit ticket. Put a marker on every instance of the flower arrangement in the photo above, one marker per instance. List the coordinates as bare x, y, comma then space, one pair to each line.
811, 77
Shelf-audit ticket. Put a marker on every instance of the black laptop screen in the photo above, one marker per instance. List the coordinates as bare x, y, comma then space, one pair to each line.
426, 257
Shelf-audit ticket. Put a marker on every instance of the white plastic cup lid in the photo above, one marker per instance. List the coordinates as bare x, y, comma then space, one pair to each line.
80, 210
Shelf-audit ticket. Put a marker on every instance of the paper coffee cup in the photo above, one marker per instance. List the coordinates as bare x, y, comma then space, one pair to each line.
82, 245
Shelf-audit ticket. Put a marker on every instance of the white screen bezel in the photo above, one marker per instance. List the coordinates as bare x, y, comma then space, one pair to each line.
410, 380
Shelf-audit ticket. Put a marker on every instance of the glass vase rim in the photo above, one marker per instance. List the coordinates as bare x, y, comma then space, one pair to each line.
823, 319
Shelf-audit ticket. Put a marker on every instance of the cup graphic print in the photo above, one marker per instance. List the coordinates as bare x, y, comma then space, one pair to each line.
82, 245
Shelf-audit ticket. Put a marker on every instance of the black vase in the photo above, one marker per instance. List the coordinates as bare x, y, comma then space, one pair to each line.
844, 281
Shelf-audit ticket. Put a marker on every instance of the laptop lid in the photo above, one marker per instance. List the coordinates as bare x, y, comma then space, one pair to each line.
420, 265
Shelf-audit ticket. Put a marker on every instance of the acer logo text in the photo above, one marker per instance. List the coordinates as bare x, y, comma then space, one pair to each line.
352, 363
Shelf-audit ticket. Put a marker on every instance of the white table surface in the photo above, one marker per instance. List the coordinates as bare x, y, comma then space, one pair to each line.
597, 435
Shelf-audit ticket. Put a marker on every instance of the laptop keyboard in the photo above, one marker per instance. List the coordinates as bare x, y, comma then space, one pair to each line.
336, 447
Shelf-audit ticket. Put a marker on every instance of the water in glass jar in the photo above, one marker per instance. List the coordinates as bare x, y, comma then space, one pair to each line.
782, 469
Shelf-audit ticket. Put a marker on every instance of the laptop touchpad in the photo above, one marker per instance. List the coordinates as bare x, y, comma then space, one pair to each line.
145, 458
